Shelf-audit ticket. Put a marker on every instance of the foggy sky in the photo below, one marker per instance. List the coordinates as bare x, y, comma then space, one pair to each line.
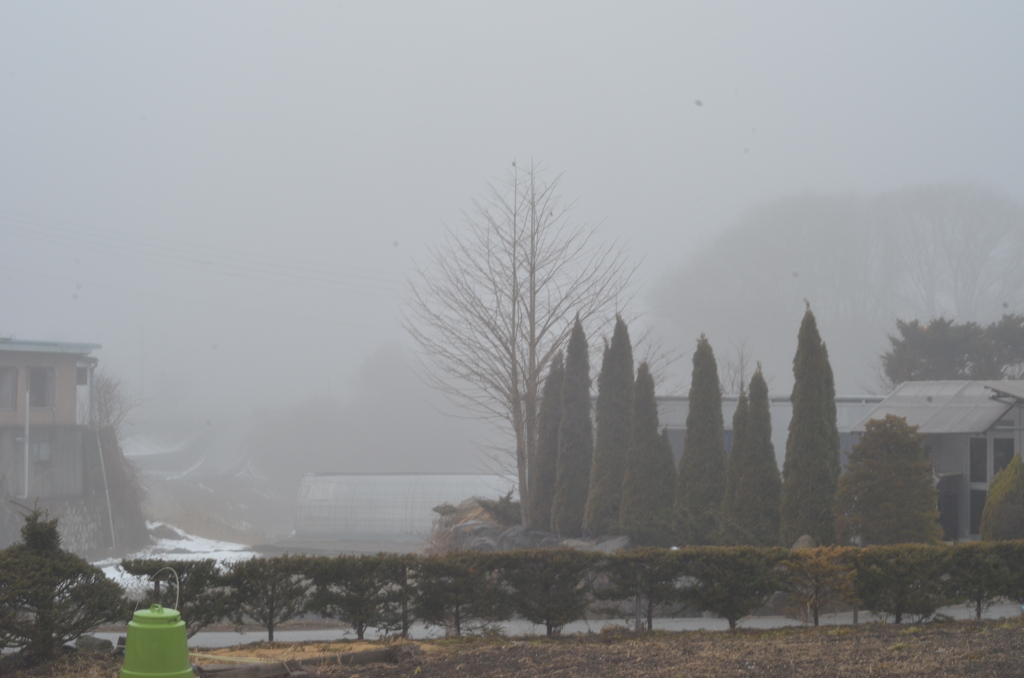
229, 196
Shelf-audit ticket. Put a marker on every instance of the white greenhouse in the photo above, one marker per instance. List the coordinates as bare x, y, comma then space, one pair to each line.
385, 508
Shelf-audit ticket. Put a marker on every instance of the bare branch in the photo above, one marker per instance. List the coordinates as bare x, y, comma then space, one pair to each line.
495, 302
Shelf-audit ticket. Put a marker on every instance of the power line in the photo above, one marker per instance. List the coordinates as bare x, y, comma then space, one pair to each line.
201, 302
207, 260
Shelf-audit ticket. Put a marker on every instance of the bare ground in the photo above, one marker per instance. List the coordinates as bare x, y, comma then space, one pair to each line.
951, 649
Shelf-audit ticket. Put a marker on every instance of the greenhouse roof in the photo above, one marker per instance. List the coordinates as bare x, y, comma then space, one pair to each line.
949, 406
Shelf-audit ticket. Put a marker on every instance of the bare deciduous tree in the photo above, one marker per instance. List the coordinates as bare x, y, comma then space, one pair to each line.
497, 299
110, 401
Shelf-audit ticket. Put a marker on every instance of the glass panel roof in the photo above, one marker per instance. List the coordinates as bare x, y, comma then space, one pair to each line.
948, 406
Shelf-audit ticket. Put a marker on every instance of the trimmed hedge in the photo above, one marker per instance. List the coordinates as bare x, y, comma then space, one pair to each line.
903, 580
731, 581
203, 595
554, 587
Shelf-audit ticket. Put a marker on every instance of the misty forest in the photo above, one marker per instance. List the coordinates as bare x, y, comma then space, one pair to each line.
382, 322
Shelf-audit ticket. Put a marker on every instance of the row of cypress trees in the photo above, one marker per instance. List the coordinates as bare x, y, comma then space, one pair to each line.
623, 479
742, 499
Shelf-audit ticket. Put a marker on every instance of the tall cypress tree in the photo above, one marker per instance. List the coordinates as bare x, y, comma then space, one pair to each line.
759, 486
575, 440
810, 472
542, 470
666, 486
701, 481
646, 511
612, 436
730, 531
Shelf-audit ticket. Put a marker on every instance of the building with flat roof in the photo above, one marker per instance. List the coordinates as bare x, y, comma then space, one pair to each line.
972, 430
51, 454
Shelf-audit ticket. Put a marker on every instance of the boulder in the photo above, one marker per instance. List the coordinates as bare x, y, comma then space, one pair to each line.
481, 545
519, 537
93, 644
805, 542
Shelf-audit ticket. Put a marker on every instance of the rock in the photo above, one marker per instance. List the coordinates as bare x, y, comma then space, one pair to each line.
519, 537
578, 544
550, 541
481, 544
612, 545
805, 542
94, 644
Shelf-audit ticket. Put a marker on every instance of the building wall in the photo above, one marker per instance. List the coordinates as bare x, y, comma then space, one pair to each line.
64, 410
951, 462
56, 470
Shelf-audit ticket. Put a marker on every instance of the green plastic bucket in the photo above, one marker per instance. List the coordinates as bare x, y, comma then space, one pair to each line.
157, 646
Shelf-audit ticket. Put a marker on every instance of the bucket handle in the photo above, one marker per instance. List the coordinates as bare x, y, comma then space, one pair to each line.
177, 584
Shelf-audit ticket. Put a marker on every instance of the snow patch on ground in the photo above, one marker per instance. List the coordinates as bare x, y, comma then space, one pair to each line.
182, 546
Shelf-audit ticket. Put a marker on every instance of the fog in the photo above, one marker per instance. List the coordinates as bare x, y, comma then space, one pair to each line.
230, 197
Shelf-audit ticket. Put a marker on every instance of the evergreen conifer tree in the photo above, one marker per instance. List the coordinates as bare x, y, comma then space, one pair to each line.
575, 440
701, 481
810, 472
887, 495
542, 470
646, 511
612, 434
758, 490
666, 472
734, 468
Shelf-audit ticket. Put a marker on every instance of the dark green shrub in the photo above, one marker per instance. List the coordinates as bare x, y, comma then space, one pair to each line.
268, 591
977, 573
505, 511
645, 576
49, 596
900, 580
731, 581
352, 589
1012, 555
550, 586
1003, 516
458, 589
397, 572
203, 598
887, 495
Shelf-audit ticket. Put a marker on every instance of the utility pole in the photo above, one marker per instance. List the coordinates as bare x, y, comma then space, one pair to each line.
28, 404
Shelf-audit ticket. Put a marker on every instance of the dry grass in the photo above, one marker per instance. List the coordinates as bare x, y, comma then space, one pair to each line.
953, 649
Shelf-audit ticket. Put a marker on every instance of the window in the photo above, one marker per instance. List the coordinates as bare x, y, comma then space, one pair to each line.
8, 388
977, 507
40, 447
42, 386
1002, 454
82, 376
979, 460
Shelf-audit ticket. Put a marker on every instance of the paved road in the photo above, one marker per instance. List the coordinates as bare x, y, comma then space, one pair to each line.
521, 627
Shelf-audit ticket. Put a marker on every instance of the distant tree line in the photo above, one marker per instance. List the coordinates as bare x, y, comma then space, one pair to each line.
943, 349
